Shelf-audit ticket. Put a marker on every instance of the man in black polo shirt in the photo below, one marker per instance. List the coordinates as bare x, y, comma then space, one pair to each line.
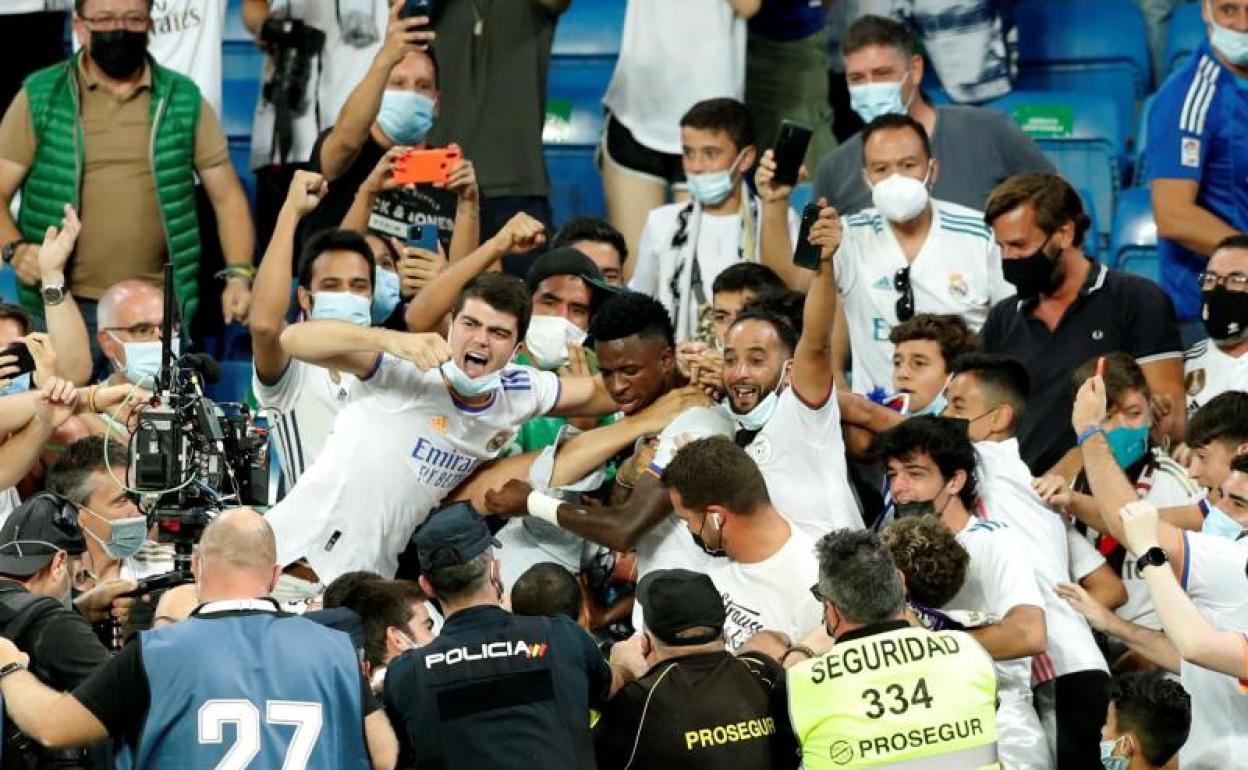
1068, 310
698, 707
494, 690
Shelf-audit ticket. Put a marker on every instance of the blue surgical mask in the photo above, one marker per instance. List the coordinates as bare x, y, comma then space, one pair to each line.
1128, 444
936, 407
143, 360
470, 387
405, 116
342, 306
1219, 524
1231, 43
126, 538
385, 294
19, 384
871, 100
714, 187
1109, 760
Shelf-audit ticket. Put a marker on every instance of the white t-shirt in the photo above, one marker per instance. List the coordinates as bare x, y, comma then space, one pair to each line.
957, 272
1214, 578
186, 38
14, 7
1006, 495
398, 447
772, 594
1084, 558
1208, 371
307, 401
999, 577
672, 56
341, 68
9, 499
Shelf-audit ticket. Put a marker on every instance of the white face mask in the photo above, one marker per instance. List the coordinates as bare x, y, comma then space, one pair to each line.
901, 198
548, 338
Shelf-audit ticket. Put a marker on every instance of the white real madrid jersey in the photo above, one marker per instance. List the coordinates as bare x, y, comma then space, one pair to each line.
1209, 372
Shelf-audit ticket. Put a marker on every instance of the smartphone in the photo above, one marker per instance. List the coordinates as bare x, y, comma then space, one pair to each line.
789, 151
423, 237
25, 362
413, 8
426, 166
805, 253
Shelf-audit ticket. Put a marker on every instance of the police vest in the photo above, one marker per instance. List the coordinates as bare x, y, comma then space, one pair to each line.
280, 690
899, 697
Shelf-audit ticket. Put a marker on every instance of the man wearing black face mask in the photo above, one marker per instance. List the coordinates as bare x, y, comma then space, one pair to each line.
1068, 310
1220, 363
122, 140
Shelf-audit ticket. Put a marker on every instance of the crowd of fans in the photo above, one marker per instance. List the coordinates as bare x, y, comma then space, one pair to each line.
636, 492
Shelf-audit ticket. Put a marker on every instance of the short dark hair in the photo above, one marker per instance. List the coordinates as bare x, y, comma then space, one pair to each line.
747, 276
722, 114
632, 313
344, 584
928, 553
505, 293
333, 240
941, 438
382, 604
591, 229
767, 313
872, 30
1236, 241
70, 475
893, 122
783, 303
1224, 418
1239, 464
1122, 374
546, 589
1003, 378
949, 332
80, 4
19, 315
1052, 198
1155, 709
858, 576
715, 471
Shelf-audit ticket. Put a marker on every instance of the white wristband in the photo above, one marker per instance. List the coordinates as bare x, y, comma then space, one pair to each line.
544, 507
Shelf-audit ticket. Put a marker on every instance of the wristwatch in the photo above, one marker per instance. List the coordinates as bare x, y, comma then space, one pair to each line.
9, 668
1153, 557
10, 249
53, 295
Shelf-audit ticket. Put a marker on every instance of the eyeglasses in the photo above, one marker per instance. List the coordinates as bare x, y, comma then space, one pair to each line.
135, 22
1232, 281
141, 332
905, 303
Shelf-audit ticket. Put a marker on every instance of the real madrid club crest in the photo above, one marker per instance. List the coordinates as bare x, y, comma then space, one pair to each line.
438, 423
759, 449
499, 440
958, 287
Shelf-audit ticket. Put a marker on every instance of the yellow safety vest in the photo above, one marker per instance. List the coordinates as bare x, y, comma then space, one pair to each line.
897, 698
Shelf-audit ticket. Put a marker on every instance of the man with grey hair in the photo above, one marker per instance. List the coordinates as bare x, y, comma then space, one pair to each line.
887, 692
233, 678
494, 690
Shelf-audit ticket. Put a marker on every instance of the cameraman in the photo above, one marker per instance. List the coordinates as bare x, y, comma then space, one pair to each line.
236, 661
42, 550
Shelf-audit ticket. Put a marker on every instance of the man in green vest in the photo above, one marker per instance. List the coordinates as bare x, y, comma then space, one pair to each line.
888, 694
121, 139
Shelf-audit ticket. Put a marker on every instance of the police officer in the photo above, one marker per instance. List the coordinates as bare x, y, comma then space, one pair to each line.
494, 690
237, 684
887, 693
41, 551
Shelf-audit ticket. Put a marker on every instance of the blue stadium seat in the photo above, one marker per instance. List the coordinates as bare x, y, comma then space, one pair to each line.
1139, 177
574, 100
8, 285
1081, 134
241, 65
234, 385
1076, 45
1187, 31
1092, 240
576, 187
1134, 247
590, 28
800, 197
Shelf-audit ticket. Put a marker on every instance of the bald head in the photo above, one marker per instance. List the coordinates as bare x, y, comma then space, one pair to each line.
129, 302
241, 538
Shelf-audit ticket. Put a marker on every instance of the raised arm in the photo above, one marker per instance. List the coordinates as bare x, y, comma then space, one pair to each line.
66, 329
812, 361
356, 349
776, 245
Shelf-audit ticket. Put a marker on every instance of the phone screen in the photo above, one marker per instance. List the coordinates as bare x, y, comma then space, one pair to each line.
805, 253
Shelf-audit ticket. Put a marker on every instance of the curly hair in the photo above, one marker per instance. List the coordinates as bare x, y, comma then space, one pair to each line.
630, 313
930, 556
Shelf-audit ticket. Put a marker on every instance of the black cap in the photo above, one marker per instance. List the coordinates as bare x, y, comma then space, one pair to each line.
451, 537
568, 261
35, 531
341, 619
676, 600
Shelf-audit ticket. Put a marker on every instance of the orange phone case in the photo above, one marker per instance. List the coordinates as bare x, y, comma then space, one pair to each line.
425, 166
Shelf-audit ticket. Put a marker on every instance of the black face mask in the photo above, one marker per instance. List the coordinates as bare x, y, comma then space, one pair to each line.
118, 52
1225, 313
699, 542
1033, 275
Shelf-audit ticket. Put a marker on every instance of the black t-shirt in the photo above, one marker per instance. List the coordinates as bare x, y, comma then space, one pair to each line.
498, 691
63, 648
713, 711
1114, 311
394, 211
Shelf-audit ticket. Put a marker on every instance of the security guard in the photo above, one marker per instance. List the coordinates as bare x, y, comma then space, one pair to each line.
887, 694
494, 690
